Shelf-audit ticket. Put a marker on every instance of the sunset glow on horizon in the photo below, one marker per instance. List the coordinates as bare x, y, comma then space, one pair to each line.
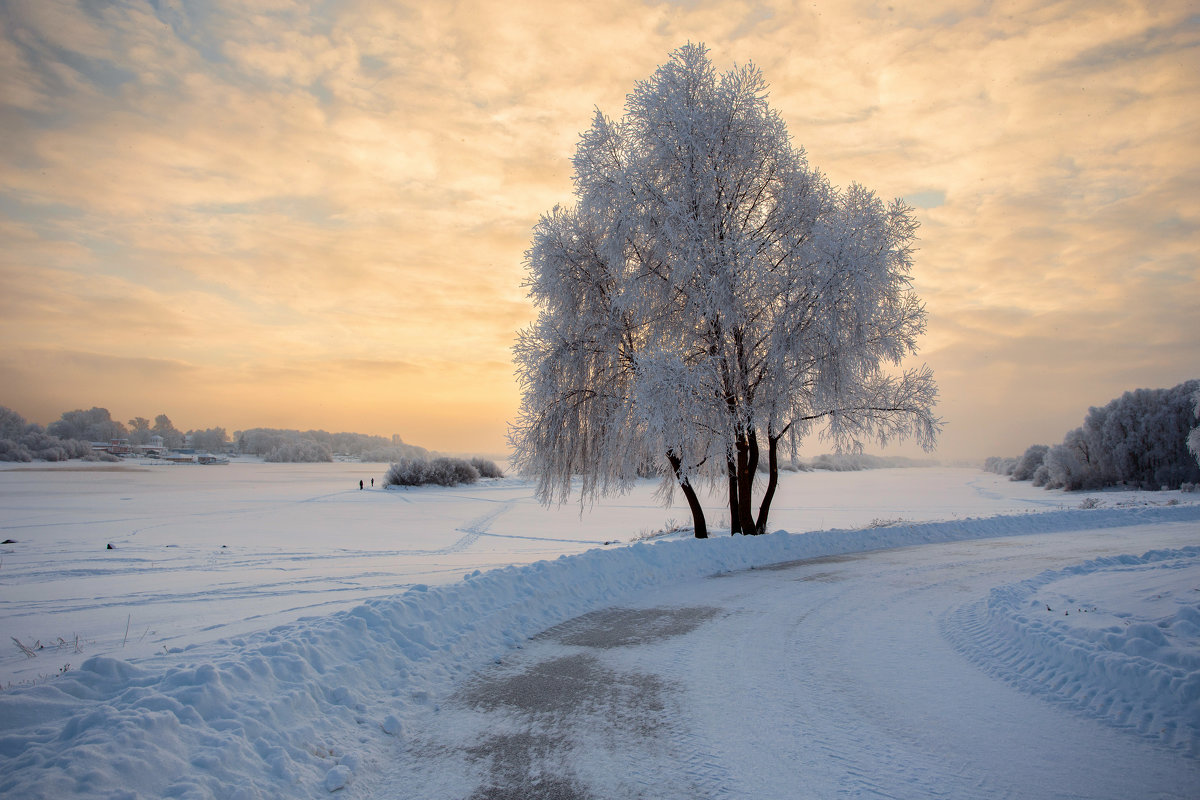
313, 214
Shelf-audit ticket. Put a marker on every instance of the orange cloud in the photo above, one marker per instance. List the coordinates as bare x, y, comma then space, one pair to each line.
318, 212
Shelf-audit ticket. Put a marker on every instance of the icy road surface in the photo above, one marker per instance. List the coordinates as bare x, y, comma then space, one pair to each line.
875, 674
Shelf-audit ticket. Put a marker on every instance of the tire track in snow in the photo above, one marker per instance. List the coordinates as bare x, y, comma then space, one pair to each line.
833, 733
475, 529
472, 531
1009, 637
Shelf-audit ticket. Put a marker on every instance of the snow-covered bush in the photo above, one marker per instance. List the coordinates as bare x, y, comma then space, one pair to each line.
1000, 465
439, 471
1028, 464
1041, 475
486, 468
14, 451
453, 471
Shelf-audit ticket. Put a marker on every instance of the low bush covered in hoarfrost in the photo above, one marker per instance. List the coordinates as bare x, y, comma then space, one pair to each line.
443, 471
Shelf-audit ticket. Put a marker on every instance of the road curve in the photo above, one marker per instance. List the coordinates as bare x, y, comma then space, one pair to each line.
824, 678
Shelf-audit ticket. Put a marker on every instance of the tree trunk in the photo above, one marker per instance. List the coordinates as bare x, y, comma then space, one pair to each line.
745, 481
772, 482
698, 524
735, 520
753, 437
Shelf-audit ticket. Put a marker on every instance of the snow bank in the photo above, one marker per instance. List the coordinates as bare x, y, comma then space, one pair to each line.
1116, 638
298, 710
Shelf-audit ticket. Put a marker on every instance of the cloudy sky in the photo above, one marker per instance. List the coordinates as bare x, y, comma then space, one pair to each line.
313, 214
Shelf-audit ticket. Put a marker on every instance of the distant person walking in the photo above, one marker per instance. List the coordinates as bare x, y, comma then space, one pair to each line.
360, 486
372, 483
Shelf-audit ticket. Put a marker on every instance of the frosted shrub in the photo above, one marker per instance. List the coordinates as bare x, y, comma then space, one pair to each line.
1028, 464
12, 451
452, 471
407, 472
1041, 476
439, 471
486, 468
1000, 465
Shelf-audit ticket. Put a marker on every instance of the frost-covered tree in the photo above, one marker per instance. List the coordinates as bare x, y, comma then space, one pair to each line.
12, 424
1194, 436
299, 450
93, 425
1074, 464
1028, 463
172, 437
212, 440
1000, 465
1141, 439
709, 295
27, 441
139, 430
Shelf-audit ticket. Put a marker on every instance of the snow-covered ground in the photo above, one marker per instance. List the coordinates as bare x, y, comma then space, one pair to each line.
204, 553
272, 631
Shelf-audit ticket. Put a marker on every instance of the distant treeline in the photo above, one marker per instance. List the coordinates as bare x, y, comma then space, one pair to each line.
1147, 439
27, 441
71, 437
852, 462
274, 444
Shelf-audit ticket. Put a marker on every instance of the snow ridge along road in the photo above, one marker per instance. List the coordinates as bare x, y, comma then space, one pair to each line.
1061, 636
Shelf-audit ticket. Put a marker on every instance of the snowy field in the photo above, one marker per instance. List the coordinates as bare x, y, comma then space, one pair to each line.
268, 631
204, 553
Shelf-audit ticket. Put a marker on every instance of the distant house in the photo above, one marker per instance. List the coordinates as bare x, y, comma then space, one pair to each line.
189, 456
155, 447
118, 447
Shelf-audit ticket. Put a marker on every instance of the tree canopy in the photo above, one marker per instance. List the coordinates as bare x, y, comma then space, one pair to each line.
709, 293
